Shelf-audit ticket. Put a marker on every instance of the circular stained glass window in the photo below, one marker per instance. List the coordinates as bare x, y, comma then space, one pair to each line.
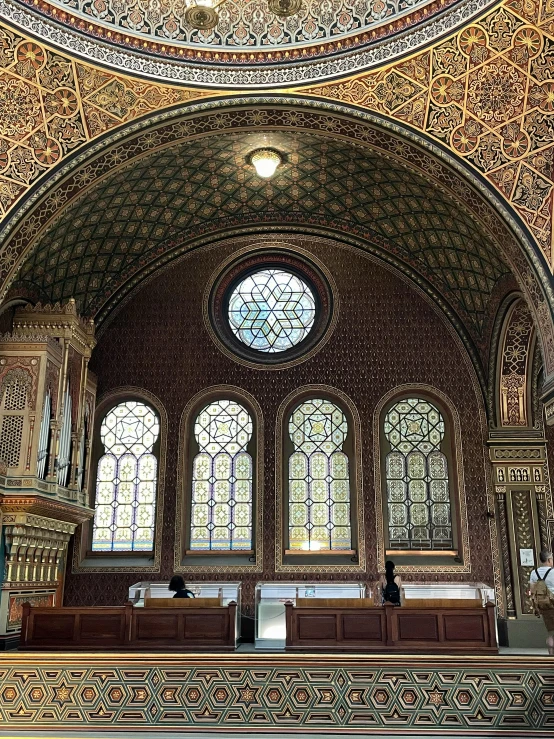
270, 307
271, 310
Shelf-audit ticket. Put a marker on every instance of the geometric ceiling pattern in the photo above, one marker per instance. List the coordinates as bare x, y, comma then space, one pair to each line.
50, 105
129, 216
488, 94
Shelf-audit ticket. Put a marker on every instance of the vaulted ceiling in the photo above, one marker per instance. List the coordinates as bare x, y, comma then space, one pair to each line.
157, 203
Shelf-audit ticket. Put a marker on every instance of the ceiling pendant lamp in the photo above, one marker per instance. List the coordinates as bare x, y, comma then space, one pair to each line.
265, 162
203, 16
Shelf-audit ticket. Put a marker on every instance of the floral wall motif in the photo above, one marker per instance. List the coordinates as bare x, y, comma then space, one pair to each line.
50, 105
371, 321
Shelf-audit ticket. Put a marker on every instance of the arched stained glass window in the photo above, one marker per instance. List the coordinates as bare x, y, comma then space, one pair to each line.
126, 480
221, 513
418, 495
319, 480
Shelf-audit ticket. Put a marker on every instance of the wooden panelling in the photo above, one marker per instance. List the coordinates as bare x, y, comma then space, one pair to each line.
390, 628
129, 628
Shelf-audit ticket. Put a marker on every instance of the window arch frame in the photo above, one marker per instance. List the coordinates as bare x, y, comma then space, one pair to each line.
219, 561
86, 560
457, 559
319, 561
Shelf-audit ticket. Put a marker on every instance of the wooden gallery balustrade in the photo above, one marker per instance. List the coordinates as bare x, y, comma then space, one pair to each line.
450, 626
453, 627
164, 623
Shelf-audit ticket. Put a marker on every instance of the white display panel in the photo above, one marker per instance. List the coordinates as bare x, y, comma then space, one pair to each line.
229, 590
271, 597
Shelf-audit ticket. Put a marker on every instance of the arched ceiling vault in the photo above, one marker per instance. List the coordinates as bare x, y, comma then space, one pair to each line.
485, 92
143, 200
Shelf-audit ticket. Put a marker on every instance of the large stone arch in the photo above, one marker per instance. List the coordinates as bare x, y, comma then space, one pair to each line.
393, 144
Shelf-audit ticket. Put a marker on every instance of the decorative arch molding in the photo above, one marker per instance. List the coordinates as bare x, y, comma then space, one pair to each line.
356, 480
184, 459
289, 235
445, 403
347, 122
514, 366
82, 563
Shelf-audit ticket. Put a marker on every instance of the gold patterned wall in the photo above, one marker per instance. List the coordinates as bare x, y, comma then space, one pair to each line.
486, 93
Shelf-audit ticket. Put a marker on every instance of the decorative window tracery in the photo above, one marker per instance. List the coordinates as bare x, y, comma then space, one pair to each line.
222, 491
319, 478
126, 480
271, 310
417, 477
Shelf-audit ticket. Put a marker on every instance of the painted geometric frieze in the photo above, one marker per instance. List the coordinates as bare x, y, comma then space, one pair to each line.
50, 105
487, 93
366, 695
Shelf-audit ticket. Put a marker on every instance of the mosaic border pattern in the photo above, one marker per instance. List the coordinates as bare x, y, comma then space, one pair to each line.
346, 694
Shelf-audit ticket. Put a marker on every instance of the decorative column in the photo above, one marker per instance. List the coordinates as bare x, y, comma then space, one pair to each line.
522, 507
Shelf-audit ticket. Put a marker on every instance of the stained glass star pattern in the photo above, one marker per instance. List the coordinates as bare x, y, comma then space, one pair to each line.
417, 477
221, 515
126, 480
271, 310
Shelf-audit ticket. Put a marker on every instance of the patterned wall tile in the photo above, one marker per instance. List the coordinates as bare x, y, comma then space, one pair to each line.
268, 693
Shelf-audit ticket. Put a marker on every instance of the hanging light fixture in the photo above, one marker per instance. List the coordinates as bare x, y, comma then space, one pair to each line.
265, 162
284, 8
203, 15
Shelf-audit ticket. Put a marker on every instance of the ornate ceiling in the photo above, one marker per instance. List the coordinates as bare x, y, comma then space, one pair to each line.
250, 45
480, 97
150, 205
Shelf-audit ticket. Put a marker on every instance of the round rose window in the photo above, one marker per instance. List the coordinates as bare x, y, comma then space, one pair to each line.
270, 307
271, 310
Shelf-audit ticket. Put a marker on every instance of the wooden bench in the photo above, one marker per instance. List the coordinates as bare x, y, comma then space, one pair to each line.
189, 627
460, 629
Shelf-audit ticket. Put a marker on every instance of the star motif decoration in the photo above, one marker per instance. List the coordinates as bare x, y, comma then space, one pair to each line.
63, 694
436, 697
248, 695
